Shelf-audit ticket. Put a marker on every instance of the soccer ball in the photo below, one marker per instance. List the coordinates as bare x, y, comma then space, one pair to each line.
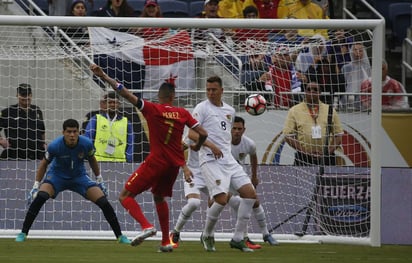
255, 104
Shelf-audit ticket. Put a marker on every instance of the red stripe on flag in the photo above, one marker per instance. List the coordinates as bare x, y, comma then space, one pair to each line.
174, 49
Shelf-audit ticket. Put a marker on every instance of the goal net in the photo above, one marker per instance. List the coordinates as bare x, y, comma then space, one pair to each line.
337, 203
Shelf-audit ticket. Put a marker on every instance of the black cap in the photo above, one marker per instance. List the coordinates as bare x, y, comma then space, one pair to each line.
24, 89
111, 95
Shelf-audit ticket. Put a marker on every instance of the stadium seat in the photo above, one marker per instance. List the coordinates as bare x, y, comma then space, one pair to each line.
400, 20
173, 8
382, 6
196, 8
97, 4
137, 6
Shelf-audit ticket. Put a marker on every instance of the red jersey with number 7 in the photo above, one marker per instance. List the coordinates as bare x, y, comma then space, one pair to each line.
166, 126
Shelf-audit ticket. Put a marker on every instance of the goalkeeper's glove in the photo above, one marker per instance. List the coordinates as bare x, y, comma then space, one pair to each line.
33, 192
100, 183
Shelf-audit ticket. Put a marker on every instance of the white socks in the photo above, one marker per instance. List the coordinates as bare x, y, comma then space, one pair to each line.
243, 216
261, 219
186, 213
212, 215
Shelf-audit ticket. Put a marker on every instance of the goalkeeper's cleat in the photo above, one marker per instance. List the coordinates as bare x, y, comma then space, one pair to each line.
270, 240
208, 243
174, 237
241, 245
123, 240
21, 237
252, 245
166, 248
146, 233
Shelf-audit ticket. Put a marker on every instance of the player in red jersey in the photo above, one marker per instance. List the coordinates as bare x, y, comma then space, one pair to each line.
159, 170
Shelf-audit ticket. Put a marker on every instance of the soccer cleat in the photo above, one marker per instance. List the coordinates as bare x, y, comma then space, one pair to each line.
208, 243
174, 237
270, 240
166, 248
146, 233
123, 240
252, 245
21, 237
241, 245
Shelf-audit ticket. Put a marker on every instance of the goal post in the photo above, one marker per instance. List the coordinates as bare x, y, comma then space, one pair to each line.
32, 52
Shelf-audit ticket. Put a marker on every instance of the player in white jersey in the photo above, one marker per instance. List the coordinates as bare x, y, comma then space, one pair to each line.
220, 170
242, 146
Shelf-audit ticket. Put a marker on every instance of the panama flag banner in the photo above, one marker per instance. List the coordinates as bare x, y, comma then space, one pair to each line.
142, 65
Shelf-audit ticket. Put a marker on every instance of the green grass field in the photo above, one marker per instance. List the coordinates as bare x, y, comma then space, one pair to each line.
45, 251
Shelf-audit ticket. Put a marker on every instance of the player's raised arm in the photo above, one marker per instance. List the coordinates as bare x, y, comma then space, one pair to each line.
118, 87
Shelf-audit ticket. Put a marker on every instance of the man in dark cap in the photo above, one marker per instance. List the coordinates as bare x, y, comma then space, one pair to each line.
23, 127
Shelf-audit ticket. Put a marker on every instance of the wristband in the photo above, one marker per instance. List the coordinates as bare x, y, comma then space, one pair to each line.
36, 184
119, 87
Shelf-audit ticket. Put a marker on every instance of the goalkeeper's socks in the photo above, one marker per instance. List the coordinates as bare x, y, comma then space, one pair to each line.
33, 211
109, 214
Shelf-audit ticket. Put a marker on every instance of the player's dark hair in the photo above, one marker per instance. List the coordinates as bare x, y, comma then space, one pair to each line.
215, 79
70, 123
166, 90
240, 119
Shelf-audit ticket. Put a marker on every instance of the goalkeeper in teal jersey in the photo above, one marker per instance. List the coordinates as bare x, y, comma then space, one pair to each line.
66, 156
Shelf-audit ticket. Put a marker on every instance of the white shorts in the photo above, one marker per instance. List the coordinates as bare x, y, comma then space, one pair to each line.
223, 178
197, 185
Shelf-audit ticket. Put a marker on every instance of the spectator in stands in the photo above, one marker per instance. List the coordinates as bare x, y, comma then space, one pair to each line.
303, 9
79, 35
324, 73
230, 9
339, 47
62, 7
151, 9
289, 37
254, 67
283, 78
111, 133
305, 130
389, 85
266, 8
355, 72
210, 10
249, 34
23, 128
315, 53
116, 8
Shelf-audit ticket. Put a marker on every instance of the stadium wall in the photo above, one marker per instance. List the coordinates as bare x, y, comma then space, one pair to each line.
73, 214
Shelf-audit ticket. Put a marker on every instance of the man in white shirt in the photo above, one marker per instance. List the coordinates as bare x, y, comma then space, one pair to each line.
219, 169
